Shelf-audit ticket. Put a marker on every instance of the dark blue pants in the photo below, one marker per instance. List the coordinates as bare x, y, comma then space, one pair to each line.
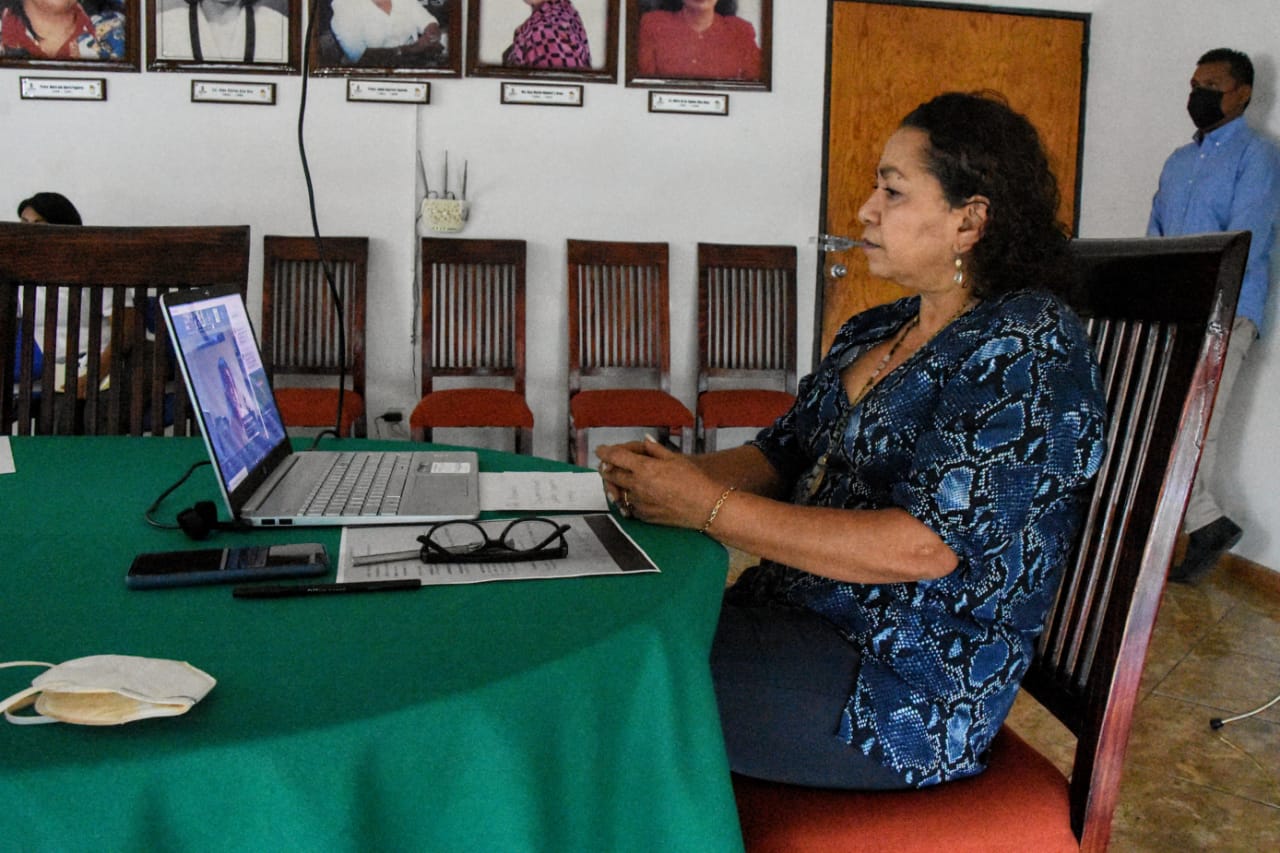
782, 678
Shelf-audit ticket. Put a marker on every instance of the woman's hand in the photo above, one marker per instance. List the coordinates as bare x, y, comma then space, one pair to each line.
654, 484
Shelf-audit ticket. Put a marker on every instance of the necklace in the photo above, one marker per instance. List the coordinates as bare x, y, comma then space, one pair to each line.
819, 470
888, 357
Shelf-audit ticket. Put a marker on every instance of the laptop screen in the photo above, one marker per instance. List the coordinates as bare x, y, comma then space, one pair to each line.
228, 383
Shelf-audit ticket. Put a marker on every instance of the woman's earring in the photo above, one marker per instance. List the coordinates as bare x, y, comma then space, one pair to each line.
958, 278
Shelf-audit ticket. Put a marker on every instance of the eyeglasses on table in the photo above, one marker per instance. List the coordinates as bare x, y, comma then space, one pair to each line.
523, 540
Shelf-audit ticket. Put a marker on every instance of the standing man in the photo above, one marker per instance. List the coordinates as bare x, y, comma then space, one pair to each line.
1226, 179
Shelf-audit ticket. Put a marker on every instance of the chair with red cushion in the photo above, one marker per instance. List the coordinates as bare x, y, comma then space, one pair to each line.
473, 328
300, 329
746, 337
620, 343
1159, 313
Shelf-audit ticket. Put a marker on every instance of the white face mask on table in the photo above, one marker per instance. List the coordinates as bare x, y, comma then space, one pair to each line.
107, 690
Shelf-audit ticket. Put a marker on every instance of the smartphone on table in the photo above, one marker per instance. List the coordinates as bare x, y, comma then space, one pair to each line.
227, 565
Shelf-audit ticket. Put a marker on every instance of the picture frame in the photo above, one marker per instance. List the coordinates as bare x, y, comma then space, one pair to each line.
511, 39
734, 50
106, 38
221, 37
431, 47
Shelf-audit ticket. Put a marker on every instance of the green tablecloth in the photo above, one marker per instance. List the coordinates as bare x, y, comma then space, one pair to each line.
564, 715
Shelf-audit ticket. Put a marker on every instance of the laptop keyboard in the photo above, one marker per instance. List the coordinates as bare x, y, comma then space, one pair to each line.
361, 484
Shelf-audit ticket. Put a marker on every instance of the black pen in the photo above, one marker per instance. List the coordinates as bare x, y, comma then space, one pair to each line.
289, 590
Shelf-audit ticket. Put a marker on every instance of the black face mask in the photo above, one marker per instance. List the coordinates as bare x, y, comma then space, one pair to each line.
1205, 107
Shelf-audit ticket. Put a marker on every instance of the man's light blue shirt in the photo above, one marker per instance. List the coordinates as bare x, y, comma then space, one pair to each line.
1229, 181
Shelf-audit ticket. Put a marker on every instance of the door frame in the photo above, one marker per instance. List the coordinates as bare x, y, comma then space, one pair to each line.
1085, 18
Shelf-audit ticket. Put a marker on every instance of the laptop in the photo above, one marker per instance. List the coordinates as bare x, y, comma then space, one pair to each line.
263, 481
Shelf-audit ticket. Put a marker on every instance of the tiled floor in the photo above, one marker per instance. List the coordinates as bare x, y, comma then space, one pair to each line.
1215, 652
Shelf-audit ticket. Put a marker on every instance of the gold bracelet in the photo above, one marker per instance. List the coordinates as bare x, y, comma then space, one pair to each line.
715, 510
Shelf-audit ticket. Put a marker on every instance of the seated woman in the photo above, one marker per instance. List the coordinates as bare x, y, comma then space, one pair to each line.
50, 208
916, 506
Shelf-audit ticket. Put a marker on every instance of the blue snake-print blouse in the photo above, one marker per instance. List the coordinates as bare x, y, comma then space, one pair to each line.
989, 435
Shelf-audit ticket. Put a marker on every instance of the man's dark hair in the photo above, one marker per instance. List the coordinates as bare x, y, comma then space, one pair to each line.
1241, 66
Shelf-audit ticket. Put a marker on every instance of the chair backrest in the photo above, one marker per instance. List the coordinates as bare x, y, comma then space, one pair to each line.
473, 309
747, 314
1159, 313
89, 270
299, 324
619, 328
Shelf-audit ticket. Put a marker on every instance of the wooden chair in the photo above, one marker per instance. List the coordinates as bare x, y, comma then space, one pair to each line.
300, 329
473, 326
620, 338
80, 274
746, 337
1159, 314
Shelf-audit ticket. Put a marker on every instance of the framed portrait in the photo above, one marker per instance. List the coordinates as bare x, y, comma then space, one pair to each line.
370, 38
700, 44
260, 36
97, 34
543, 39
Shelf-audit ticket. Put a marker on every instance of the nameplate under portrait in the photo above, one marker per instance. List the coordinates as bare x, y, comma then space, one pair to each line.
63, 88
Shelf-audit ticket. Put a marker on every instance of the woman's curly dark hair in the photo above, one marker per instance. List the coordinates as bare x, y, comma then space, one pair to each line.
979, 146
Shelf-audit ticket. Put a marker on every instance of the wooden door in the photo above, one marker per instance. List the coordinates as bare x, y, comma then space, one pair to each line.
885, 59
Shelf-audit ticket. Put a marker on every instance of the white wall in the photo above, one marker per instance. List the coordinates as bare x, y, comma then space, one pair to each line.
612, 170
1142, 56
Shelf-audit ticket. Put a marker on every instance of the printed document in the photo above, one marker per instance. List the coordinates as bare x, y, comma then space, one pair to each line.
542, 491
597, 546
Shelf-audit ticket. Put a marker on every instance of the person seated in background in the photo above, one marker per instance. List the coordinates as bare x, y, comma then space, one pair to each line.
697, 38
54, 209
50, 208
223, 31
915, 508
61, 29
387, 33
551, 37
